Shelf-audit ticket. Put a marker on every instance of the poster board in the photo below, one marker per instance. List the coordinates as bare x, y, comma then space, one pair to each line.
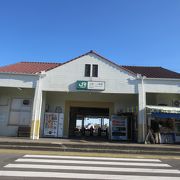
60, 125
51, 124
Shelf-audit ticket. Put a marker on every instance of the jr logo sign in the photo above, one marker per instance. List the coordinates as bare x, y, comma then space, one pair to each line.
90, 85
82, 85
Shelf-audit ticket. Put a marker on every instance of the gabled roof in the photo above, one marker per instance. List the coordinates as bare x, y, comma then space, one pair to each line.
153, 72
107, 60
37, 67
148, 71
28, 67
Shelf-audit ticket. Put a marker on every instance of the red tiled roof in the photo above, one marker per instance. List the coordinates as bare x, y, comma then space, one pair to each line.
153, 72
36, 67
29, 67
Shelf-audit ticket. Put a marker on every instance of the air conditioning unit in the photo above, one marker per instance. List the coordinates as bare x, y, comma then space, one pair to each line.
176, 103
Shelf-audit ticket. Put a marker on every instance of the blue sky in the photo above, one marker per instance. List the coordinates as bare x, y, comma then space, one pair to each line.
128, 32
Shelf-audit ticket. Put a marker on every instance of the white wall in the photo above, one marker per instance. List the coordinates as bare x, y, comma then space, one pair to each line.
15, 80
162, 98
162, 86
121, 102
64, 78
8, 94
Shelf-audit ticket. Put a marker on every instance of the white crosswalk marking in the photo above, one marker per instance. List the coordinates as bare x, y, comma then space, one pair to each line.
92, 158
92, 162
82, 176
74, 167
92, 168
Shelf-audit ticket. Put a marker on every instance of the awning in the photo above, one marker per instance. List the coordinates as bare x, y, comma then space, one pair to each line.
166, 115
163, 109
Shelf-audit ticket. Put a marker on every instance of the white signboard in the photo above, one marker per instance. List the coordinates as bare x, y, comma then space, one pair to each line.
96, 85
90, 85
60, 125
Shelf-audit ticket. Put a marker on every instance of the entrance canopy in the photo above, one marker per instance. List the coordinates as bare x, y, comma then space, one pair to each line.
163, 109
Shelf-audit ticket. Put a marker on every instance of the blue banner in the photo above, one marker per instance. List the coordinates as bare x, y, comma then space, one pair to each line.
165, 115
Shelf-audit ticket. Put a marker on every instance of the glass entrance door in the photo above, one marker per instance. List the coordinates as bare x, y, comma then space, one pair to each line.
92, 126
89, 122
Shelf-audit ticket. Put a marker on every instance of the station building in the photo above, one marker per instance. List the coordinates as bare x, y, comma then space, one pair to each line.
89, 96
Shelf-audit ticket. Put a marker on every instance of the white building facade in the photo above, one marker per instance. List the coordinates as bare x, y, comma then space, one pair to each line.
61, 100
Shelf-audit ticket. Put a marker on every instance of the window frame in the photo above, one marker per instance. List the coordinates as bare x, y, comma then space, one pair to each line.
87, 71
95, 70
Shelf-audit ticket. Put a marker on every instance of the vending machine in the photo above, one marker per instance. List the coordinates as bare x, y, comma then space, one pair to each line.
53, 124
118, 125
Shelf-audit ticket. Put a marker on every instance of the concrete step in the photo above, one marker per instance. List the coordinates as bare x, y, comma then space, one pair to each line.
98, 148
85, 145
125, 147
100, 145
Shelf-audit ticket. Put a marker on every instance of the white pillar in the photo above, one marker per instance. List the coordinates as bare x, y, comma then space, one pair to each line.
36, 113
43, 110
141, 111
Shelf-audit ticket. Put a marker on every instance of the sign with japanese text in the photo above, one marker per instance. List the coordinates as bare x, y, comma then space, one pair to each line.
90, 85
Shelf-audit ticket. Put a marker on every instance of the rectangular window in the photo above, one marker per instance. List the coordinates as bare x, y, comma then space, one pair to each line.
20, 112
87, 70
95, 70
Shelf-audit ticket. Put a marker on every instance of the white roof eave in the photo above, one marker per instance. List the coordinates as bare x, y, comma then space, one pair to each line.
14, 73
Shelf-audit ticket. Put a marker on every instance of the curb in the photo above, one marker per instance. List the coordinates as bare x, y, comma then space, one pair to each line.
90, 150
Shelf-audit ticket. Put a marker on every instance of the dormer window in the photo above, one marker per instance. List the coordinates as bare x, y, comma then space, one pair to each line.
95, 70
87, 70
91, 70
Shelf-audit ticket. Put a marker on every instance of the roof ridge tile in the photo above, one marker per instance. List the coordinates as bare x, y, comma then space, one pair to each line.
39, 62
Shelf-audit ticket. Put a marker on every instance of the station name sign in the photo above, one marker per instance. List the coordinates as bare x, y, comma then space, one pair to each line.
90, 85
